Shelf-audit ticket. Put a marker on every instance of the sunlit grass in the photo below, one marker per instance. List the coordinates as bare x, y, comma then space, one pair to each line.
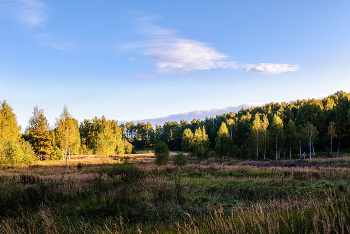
231, 196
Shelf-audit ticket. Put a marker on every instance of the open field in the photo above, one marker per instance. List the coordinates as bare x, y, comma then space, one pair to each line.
236, 196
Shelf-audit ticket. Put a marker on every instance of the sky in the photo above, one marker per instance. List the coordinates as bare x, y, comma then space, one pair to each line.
138, 60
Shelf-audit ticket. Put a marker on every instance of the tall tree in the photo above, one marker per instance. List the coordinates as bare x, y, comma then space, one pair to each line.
223, 141
310, 134
187, 139
277, 132
291, 136
331, 134
39, 134
14, 150
230, 123
85, 130
67, 132
9, 129
264, 125
256, 130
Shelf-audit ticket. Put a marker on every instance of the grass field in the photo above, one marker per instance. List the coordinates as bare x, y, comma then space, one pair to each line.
236, 196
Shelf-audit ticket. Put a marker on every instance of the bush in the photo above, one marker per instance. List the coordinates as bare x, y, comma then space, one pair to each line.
180, 160
11, 153
128, 148
57, 153
161, 153
120, 150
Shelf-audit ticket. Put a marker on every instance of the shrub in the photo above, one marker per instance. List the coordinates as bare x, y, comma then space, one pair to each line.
180, 160
11, 153
57, 153
128, 148
161, 153
79, 166
120, 150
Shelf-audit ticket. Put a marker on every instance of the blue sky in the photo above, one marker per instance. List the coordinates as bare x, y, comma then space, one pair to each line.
134, 60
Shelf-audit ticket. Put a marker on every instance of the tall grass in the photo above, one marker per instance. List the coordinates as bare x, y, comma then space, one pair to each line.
197, 198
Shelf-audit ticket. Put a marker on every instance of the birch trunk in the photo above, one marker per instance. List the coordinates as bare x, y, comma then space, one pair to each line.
265, 146
276, 148
257, 144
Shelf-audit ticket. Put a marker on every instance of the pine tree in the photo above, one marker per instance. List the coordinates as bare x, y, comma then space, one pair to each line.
39, 134
85, 130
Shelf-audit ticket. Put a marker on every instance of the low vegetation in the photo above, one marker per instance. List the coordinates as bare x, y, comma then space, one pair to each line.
206, 197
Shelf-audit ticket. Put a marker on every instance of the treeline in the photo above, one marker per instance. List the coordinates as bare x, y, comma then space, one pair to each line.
276, 130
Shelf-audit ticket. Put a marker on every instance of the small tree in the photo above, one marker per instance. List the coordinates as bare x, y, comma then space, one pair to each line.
162, 154
180, 160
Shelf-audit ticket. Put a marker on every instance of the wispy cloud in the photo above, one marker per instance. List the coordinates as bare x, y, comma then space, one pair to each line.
270, 68
30, 13
173, 54
46, 39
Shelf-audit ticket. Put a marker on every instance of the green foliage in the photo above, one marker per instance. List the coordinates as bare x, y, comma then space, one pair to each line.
67, 132
11, 153
162, 154
223, 141
57, 153
38, 133
79, 166
9, 129
180, 160
120, 150
128, 147
29, 154
187, 138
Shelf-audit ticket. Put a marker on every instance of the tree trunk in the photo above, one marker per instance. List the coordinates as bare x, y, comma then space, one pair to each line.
265, 146
257, 144
290, 152
338, 149
310, 145
331, 147
300, 148
276, 148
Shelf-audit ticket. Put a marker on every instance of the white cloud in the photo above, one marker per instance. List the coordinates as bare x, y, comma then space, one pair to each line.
270, 68
182, 55
173, 54
30, 13
46, 39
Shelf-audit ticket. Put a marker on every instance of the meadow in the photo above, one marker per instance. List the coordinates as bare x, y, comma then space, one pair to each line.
132, 195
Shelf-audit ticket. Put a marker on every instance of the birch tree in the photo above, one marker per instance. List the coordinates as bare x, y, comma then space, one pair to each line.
331, 134
264, 125
256, 128
277, 132
310, 134
230, 123
291, 136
